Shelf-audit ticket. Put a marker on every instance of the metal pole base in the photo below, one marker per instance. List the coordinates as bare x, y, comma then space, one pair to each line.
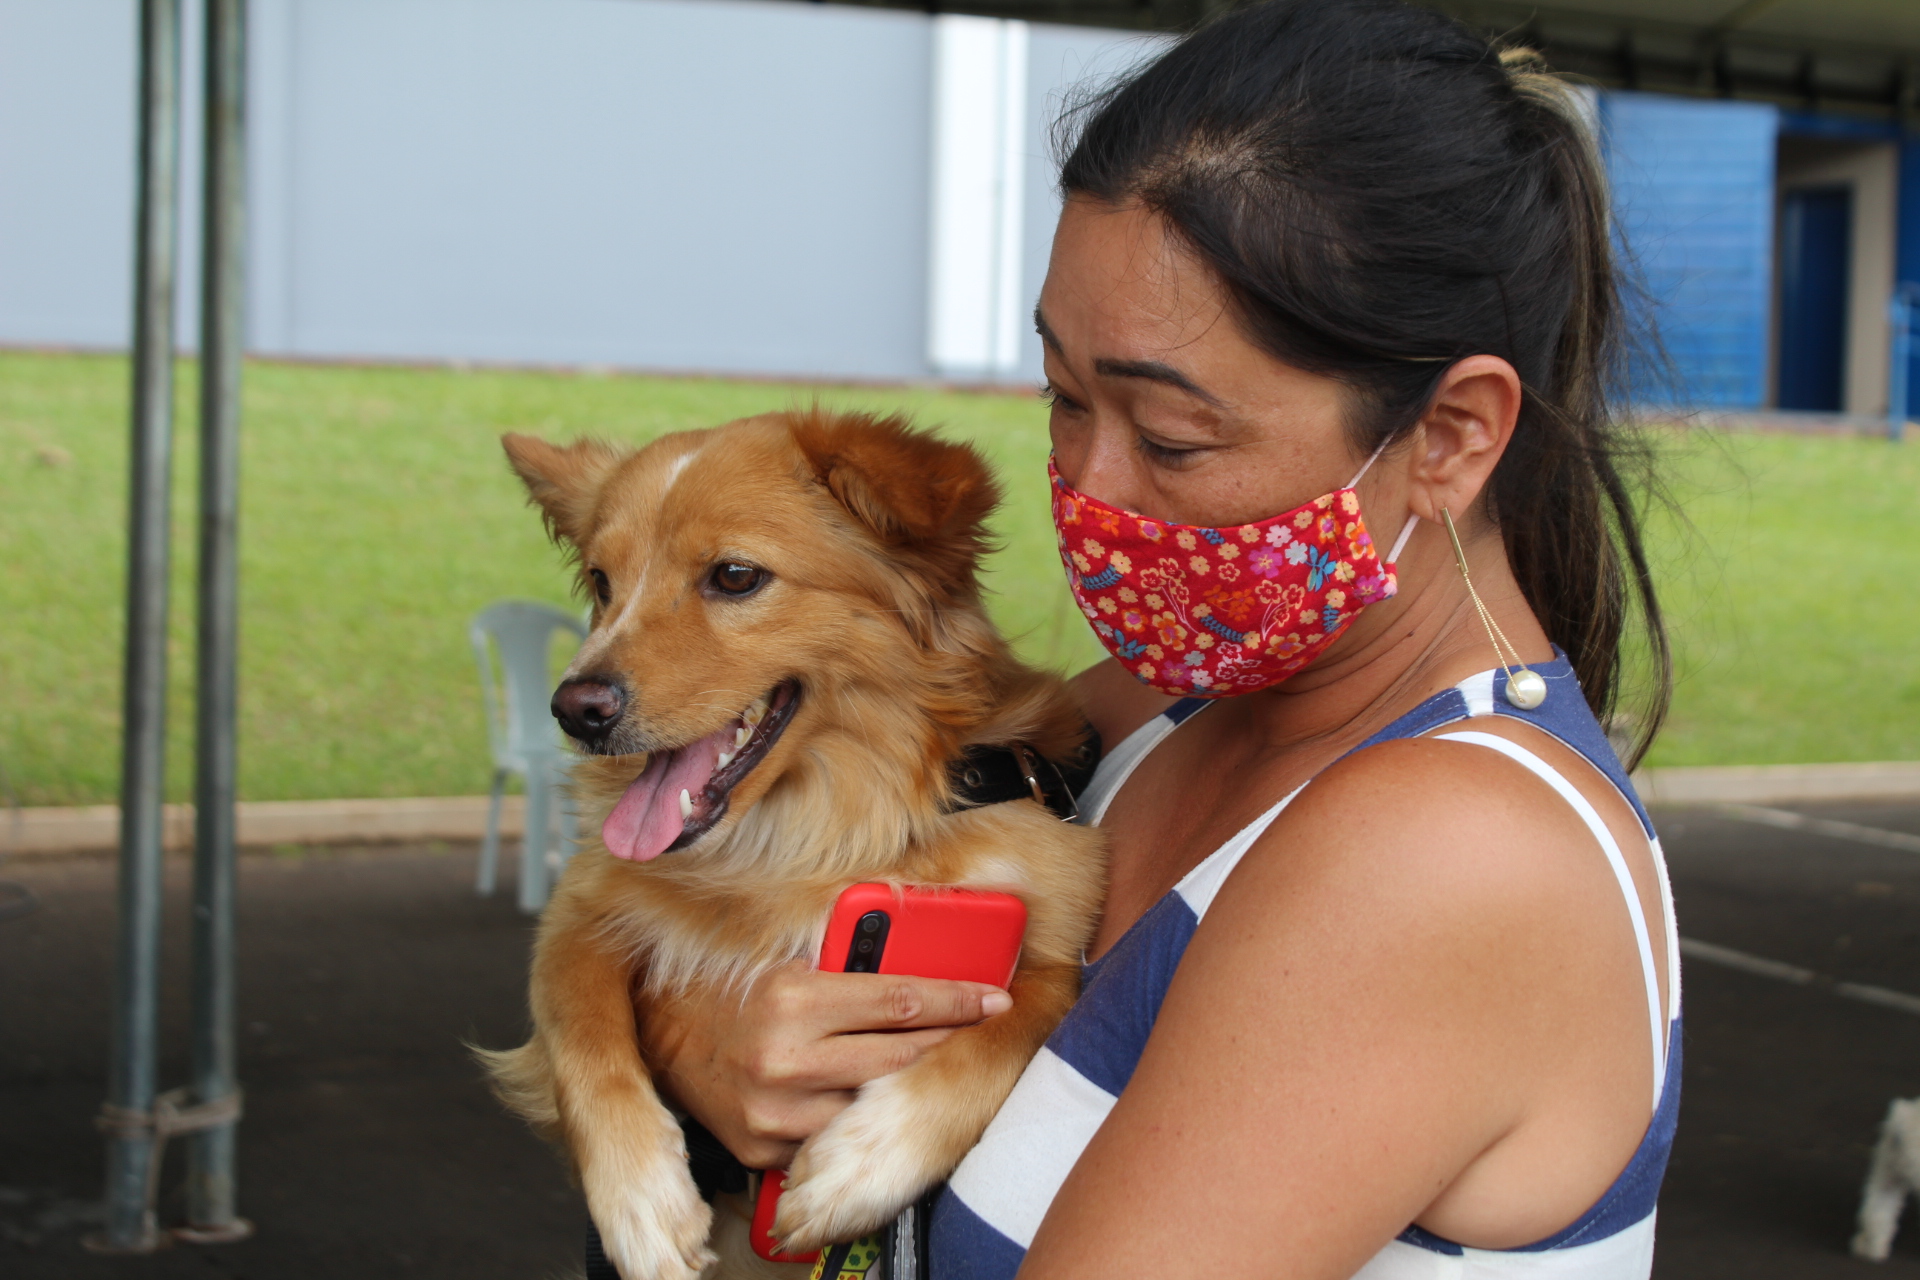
227, 1233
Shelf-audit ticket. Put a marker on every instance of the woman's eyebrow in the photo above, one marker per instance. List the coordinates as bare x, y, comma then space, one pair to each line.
1151, 370
1045, 330
1154, 371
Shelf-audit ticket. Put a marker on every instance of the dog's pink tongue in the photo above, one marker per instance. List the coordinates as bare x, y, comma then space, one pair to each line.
648, 818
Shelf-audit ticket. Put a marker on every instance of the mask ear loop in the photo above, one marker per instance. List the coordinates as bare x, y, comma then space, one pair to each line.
1367, 465
1526, 690
1406, 530
1400, 543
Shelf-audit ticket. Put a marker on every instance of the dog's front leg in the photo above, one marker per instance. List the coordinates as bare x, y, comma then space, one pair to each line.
628, 1148
908, 1130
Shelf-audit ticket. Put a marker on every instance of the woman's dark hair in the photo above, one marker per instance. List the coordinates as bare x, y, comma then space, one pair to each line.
1385, 193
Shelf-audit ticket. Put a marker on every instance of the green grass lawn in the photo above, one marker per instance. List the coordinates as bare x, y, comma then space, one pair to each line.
378, 516
1777, 663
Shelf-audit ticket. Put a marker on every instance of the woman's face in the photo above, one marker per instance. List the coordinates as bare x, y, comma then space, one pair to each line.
1160, 404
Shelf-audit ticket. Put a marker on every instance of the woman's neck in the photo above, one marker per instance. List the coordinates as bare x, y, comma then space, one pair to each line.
1398, 653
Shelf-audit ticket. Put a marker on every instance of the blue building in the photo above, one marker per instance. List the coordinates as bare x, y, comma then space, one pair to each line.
1766, 171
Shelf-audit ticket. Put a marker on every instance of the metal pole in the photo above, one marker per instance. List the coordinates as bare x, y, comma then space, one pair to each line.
210, 1181
130, 1227
1900, 314
533, 840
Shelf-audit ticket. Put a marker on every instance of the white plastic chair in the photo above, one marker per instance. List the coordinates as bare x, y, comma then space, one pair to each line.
516, 691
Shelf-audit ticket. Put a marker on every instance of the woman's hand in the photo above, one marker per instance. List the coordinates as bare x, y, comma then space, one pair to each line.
767, 1072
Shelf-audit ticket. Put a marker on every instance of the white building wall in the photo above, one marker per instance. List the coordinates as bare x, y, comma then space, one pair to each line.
66, 171
1064, 66
979, 184
722, 185
674, 183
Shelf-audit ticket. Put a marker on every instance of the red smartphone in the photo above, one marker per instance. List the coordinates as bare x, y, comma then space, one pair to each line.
967, 935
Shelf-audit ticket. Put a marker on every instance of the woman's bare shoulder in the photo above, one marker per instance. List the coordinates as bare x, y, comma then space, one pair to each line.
1115, 703
1459, 832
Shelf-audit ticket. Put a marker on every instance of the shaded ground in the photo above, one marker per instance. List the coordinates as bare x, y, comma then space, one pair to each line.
1786, 1086
371, 1149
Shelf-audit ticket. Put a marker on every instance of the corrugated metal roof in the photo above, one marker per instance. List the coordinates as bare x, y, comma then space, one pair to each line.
1851, 56
1889, 24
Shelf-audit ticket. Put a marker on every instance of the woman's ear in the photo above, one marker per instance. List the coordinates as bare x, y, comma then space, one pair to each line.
562, 480
1463, 434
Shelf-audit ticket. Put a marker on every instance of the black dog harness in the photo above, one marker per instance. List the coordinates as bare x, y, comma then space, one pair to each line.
987, 775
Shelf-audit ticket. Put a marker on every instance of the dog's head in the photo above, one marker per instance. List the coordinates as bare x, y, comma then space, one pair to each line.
759, 589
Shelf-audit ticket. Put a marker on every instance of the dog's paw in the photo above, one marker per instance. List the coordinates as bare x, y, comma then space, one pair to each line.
653, 1223
861, 1170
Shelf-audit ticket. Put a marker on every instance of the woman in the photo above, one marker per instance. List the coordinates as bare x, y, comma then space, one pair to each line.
1386, 983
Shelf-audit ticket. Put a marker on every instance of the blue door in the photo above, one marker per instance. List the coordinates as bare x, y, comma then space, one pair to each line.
1815, 260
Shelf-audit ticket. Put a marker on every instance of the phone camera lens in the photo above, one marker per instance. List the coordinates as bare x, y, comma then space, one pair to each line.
865, 946
870, 923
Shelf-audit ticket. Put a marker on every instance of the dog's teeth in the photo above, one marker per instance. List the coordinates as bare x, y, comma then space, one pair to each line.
686, 805
755, 714
726, 758
740, 737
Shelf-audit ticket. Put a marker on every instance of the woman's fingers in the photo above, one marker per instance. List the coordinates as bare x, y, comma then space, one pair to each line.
773, 1125
849, 1061
837, 1031
837, 1003
765, 1073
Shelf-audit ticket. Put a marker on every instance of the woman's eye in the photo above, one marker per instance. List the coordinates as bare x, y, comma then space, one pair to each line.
602, 589
1162, 455
733, 578
1058, 399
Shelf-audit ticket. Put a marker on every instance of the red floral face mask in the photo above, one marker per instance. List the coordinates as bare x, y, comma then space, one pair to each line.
1208, 612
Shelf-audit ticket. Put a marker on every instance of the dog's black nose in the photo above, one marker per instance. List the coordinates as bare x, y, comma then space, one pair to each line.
588, 707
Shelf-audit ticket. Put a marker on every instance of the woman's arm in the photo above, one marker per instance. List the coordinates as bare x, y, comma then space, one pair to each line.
767, 1072
1378, 1022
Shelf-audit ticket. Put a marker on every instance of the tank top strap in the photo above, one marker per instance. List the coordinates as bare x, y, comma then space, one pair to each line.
1622, 876
1198, 887
1117, 765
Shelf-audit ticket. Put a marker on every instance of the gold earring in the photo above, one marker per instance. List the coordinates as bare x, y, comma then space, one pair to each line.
1526, 688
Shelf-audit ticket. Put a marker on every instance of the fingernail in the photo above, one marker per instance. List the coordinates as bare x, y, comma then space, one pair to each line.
995, 1002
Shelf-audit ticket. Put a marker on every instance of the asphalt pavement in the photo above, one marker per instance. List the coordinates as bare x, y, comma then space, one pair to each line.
371, 1149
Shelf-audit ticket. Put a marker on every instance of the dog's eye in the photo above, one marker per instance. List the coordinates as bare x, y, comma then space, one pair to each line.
602, 589
732, 578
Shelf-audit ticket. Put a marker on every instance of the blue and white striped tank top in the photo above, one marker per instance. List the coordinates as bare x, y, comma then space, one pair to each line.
986, 1217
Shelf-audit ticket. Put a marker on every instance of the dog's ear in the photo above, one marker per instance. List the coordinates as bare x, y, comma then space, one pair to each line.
562, 480
912, 490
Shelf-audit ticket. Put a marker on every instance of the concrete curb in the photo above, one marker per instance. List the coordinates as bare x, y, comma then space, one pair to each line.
1793, 422
268, 822
1779, 783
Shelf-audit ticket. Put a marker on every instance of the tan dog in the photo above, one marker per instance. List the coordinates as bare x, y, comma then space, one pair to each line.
788, 651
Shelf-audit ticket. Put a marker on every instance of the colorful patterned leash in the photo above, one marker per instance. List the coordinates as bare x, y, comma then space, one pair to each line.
852, 1261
